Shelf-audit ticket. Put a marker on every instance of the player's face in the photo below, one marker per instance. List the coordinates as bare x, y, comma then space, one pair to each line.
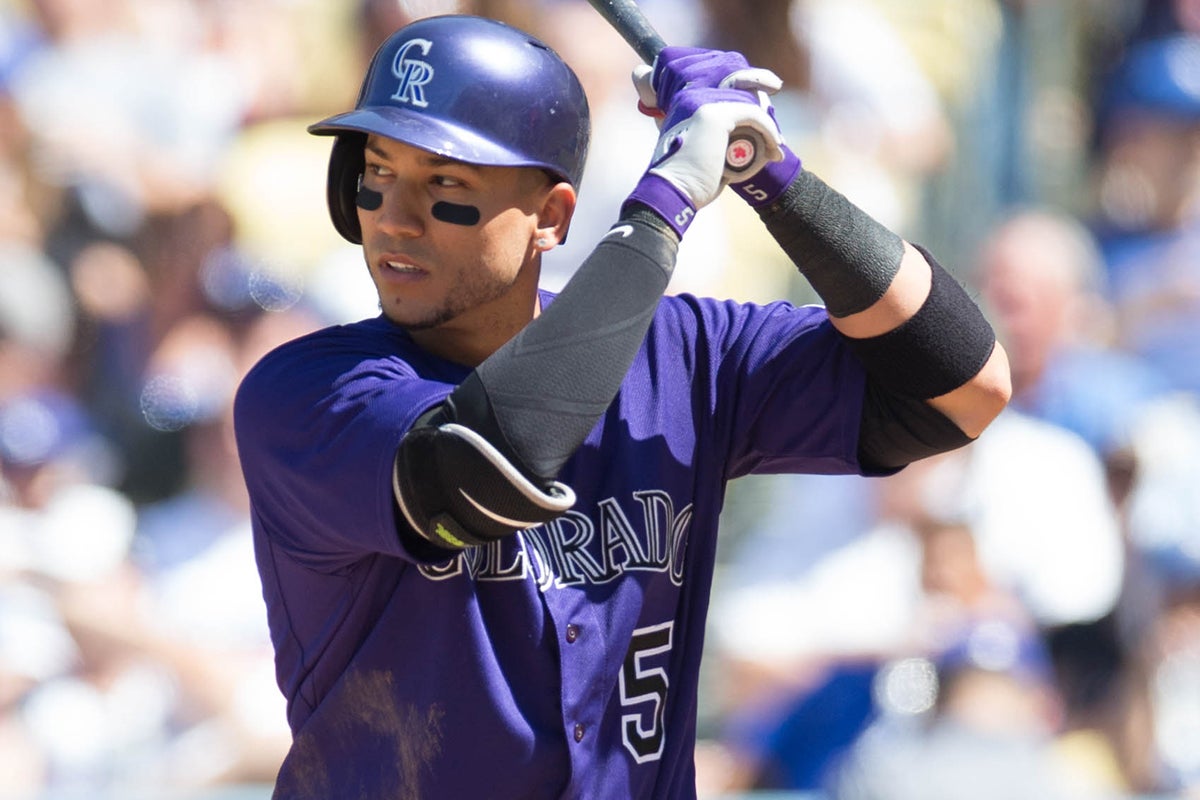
450, 245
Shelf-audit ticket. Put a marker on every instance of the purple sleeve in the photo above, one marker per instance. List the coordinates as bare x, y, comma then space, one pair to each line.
785, 392
318, 423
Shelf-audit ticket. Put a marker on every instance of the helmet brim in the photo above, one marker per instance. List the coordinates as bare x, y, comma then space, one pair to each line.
427, 133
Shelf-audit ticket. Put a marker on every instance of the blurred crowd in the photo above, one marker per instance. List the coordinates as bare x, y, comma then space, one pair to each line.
1020, 618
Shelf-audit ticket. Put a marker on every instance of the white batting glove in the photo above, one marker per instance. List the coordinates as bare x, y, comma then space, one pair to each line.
679, 69
687, 171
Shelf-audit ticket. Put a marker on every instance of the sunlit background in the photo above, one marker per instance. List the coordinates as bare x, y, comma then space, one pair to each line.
1019, 619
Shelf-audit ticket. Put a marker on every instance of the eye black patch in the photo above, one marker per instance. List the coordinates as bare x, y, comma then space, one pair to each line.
455, 214
368, 199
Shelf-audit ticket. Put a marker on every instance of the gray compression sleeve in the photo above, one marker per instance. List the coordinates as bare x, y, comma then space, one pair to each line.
537, 397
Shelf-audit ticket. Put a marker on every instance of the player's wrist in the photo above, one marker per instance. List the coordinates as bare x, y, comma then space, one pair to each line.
665, 199
769, 183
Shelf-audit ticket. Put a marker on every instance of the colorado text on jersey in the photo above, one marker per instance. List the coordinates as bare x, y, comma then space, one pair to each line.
577, 548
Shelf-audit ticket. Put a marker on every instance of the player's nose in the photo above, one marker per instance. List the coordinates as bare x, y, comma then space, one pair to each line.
399, 212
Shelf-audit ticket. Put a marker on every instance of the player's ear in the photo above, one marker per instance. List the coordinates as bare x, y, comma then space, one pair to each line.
555, 214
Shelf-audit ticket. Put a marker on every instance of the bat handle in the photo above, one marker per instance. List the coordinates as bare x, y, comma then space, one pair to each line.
647, 43
745, 155
627, 19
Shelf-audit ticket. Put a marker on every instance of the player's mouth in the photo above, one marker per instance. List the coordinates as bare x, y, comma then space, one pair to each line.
400, 269
400, 266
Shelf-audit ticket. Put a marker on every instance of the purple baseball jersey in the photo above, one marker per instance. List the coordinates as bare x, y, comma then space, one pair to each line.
562, 661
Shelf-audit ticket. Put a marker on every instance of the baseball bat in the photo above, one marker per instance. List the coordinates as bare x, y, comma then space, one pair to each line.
631, 22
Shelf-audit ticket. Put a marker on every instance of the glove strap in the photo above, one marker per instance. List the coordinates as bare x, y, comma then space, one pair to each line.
664, 199
769, 183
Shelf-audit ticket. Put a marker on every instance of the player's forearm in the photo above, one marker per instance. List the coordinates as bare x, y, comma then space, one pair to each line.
850, 259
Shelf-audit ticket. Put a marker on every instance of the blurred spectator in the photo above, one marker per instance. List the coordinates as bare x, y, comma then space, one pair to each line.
978, 719
128, 309
1148, 166
1043, 282
123, 673
788, 614
201, 602
62, 533
1013, 77
1164, 530
1157, 18
160, 110
37, 320
147, 145
884, 127
132, 296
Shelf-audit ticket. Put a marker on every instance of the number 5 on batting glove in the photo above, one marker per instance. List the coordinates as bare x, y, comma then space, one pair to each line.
686, 172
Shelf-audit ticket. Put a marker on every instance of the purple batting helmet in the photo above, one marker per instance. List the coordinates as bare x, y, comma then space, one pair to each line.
468, 88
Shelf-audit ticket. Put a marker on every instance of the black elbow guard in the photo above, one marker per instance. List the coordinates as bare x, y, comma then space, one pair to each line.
457, 490
941, 347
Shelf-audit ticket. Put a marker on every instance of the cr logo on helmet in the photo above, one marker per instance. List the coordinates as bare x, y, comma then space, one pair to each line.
413, 73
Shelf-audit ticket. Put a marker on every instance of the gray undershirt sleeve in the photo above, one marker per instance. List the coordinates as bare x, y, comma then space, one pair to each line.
538, 396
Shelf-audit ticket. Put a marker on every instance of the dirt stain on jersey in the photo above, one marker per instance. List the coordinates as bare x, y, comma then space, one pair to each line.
366, 709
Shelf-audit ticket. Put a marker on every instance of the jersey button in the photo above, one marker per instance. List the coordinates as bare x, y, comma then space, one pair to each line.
579, 729
572, 633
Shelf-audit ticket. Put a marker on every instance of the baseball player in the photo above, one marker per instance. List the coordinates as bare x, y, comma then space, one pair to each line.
486, 519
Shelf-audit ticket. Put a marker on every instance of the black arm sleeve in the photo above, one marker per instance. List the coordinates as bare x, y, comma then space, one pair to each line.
849, 258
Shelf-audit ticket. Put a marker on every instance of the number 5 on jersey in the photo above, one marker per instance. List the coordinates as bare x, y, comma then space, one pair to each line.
641, 683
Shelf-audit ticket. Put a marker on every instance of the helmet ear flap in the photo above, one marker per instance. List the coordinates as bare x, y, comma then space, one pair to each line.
346, 164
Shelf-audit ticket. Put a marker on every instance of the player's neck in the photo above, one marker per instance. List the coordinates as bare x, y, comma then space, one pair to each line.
473, 336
